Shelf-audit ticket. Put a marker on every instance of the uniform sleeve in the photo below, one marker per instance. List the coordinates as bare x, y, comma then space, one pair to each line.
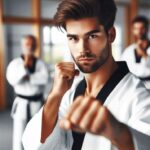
40, 77
141, 141
32, 134
139, 121
57, 140
15, 72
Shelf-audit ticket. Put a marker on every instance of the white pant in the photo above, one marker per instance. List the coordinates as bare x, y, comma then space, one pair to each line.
20, 118
18, 129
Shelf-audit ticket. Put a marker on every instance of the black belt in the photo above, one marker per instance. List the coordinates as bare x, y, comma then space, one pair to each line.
33, 98
145, 78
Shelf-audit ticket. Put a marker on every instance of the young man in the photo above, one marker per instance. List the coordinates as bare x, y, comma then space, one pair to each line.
137, 55
110, 108
28, 76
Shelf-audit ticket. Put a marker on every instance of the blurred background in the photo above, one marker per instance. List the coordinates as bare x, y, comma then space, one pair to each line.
20, 17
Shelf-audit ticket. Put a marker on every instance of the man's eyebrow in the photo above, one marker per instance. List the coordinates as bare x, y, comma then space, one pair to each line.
86, 34
71, 35
92, 32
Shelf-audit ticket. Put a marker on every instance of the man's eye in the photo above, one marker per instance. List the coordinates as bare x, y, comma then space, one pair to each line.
93, 36
72, 39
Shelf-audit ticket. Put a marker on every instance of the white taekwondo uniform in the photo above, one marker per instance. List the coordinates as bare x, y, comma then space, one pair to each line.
138, 66
29, 94
128, 101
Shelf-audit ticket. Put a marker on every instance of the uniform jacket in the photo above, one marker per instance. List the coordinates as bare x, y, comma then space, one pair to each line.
128, 101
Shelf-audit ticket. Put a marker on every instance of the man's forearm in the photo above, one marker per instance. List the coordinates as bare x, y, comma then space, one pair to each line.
64, 76
50, 113
124, 141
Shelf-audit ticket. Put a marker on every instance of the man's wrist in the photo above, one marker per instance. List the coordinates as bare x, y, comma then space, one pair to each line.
54, 98
56, 93
124, 140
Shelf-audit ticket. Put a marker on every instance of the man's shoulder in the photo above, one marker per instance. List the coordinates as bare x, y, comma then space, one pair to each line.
40, 61
128, 51
130, 47
16, 60
130, 90
138, 92
133, 82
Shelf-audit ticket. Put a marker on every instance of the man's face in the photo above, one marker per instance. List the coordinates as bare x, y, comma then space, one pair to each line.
27, 46
139, 31
88, 43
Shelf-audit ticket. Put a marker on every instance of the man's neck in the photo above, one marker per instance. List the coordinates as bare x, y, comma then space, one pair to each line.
95, 81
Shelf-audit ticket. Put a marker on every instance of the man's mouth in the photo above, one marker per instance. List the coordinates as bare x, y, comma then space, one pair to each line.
86, 59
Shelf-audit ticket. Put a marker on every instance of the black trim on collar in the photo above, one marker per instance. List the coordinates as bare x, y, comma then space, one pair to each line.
33, 67
137, 58
116, 77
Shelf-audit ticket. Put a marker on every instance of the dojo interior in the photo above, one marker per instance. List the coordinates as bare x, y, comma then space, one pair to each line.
20, 17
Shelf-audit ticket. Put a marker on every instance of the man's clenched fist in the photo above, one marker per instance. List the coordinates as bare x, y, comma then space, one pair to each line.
86, 114
64, 76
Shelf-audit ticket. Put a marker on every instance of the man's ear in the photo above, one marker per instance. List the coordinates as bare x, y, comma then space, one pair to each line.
111, 34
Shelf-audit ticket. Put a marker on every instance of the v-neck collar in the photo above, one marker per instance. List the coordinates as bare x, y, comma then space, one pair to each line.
33, 67
115, 78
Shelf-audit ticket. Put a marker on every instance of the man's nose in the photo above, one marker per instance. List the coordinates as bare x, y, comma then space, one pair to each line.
83, 46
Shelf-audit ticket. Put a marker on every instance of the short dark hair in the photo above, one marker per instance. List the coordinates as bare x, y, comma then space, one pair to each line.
141, 19
104, 10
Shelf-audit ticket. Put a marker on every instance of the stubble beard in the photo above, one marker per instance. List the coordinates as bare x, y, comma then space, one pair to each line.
100, 60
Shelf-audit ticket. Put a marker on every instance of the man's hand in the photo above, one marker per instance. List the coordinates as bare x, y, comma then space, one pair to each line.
28, 61
88, 115
64, 76
140, 49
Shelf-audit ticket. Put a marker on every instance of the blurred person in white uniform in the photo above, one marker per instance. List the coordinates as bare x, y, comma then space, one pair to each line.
110, 108
137, 55
28, 75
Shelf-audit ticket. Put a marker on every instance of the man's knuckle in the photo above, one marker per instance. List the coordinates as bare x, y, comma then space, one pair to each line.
74, 119
83, 125
94, 129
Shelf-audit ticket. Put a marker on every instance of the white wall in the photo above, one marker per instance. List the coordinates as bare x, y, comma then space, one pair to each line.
49, 8
18, 8
119, 43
